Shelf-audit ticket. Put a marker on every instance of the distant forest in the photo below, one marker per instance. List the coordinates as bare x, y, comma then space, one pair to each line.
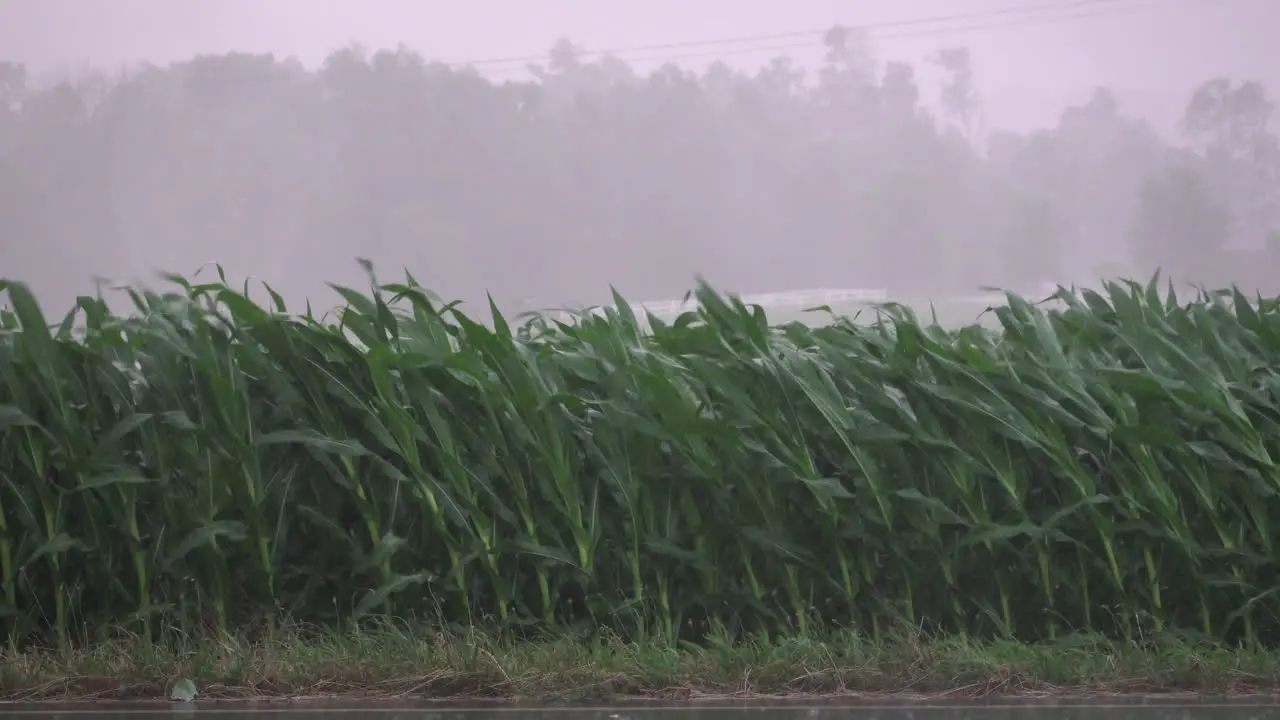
547, 191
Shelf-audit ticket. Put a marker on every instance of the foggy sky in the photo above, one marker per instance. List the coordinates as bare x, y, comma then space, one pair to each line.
1029, 63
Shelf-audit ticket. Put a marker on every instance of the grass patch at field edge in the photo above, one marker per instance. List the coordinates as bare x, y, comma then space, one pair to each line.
388, 660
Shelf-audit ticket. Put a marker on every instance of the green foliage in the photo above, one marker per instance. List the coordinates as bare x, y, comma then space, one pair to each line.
1106, 466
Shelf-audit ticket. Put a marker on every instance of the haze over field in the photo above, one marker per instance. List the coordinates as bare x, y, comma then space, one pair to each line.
544, 152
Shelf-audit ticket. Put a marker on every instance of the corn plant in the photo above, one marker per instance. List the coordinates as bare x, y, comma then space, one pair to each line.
1107, 465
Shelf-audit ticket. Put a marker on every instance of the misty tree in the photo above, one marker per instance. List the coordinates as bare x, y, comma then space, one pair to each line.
1231, 123
1094, 164
846, 82
13, 86
1181, 228
959, 94
1230, 118
548, 190
13, 89
1033, 241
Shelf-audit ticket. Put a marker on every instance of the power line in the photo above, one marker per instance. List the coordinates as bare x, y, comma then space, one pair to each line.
1071, 4
894, 36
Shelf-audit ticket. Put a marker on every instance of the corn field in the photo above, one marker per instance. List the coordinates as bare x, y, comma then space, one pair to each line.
207, 462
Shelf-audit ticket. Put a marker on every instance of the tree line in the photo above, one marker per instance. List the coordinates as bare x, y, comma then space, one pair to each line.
547, 191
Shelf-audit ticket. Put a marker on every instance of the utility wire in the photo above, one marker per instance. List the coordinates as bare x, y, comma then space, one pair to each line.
798, 33
1071, 4
894, 36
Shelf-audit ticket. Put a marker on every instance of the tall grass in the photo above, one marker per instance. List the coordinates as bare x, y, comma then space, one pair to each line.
205, 460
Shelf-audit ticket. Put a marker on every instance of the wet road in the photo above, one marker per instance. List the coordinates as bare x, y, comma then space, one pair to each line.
1249, 710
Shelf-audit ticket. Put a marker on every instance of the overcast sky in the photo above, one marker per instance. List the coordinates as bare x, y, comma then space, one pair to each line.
1031, 55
